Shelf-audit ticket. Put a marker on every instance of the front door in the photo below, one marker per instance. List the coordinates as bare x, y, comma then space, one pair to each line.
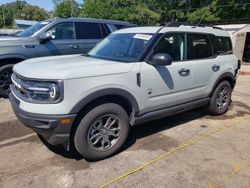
63, 41
166, 86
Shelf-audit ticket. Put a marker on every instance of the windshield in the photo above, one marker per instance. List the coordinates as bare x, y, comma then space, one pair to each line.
124, 47
33, 29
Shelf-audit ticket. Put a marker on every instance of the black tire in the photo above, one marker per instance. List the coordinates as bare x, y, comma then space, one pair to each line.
87, 133
5, 80
218, 103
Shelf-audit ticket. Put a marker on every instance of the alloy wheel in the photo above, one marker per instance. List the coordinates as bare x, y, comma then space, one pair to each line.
223, 97
104, 132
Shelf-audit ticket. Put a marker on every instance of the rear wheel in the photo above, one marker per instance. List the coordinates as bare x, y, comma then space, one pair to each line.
220, 99
102, 132
5, 80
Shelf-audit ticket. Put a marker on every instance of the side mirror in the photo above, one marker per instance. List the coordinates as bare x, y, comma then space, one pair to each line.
161, 59
45, 37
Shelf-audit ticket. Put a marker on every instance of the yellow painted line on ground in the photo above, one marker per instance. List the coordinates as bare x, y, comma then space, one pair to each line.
5, 111
174, 150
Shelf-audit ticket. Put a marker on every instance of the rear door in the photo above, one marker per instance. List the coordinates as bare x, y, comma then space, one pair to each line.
205, 63
87, 35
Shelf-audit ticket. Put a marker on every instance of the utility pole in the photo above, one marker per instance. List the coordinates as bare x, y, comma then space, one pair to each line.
71, 5
4, 26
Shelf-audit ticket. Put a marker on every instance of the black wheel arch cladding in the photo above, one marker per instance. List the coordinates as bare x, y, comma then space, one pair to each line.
107, 92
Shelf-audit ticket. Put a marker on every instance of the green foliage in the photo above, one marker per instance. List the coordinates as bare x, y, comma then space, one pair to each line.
30, 12
20, 10
232, 10
141, 12
146, 12
132, 11
202, 15
66, 8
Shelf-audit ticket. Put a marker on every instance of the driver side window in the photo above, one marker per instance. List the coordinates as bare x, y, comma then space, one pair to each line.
172, 44
63, 31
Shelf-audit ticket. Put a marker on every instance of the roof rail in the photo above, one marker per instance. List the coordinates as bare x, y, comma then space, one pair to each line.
101, 20
216, 27
178, 24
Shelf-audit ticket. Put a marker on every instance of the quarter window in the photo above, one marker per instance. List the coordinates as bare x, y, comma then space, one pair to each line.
224, 45
172, 44
198, 46
105, 30
119, 26
62, 31
87, 30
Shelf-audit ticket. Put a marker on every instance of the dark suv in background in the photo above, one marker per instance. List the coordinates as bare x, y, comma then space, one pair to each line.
52, 37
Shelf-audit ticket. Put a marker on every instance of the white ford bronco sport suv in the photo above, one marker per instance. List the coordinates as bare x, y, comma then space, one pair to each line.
133, 76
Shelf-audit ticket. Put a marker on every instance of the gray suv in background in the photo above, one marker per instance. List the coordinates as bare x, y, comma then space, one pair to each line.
52, 37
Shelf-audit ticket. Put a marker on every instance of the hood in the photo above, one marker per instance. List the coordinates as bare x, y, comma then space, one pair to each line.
69, 67
14, 40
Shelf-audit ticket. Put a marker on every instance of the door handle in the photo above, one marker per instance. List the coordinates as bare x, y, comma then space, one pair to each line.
184, 72
73, 46
216, 67
29, 46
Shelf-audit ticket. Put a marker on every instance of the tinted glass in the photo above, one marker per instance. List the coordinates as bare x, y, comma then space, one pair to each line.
123, 47
119, 26
105, 30
63, 31
172, 44
198, 46
224, 45
112, 27
88, 30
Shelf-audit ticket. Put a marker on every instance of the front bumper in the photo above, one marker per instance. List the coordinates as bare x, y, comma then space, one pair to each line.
50, 127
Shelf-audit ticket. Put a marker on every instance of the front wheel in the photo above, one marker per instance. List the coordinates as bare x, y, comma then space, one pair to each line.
5, 80
102, 132
220, 99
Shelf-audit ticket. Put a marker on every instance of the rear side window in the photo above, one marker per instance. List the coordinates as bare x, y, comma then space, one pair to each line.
199, 46
224, 45
119, 26
86, 30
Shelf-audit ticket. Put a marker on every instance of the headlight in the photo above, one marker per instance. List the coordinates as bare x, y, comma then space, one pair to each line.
37, 91
44, 91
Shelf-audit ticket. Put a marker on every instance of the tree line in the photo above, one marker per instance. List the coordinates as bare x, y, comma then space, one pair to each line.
20, 10
142, 12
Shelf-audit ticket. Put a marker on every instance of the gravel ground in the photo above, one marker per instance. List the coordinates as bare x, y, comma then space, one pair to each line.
220, 159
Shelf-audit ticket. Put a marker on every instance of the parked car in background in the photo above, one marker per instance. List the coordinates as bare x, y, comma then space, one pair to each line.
133, 76
5, 34
52, 37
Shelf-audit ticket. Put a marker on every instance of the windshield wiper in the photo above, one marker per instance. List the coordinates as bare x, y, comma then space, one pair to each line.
86, 55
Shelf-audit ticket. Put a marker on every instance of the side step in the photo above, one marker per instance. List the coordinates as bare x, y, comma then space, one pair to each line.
170, 111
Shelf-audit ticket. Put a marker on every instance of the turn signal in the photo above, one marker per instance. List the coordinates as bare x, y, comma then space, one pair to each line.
65, 121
